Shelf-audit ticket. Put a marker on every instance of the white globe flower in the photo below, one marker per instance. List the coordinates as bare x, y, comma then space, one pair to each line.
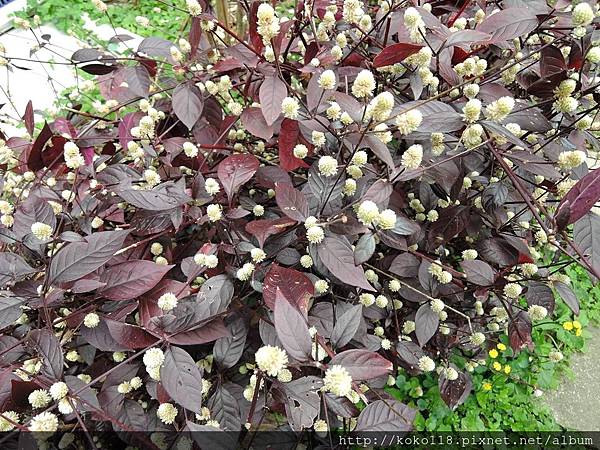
214, 212
537, 312
271, 359
167, 413
156, 248
44, 422
300, 151
386, 219
5, 425
91, 320
167, 301
364, 84
409, 121
153, 357
58, 390
327, 80
337, 380
190, 150
368, 212
412, 157
328, 166
40, 398
321, 286
41, 231
513, 290
290, 108
315, 234
426, 364
212, 186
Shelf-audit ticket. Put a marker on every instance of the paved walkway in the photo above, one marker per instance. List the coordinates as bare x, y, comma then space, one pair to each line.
40, 82
576, 404
36, 82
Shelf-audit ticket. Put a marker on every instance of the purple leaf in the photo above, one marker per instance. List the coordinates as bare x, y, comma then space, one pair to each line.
155, 46
437, 116
13, 267
46, 345
346, 326
363, 364
228, 350
410, 353
131, 279
215, 295
302, 401
478, 272
539, 293
10, 309
568, 296
338, 256
289, 136
291, 328
291, 201
395, 53
519, 332
78, 259
508, 24
205, 437
10, 350
182, 379
386, 415
164, 196
87, 400
462, 37
138, 80
364, 248
100, 338
128, 122
262, 229
271, 93
580, 199
255, 123
405, 265
33, 209
586, 234
236, 170
455, 392
315, 94
208, 332
129, 336
188, 103
426, 323
34, 158
28, 118
295, 286
552, 62
225, 409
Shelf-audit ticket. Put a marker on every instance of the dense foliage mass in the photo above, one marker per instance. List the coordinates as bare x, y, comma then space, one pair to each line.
256, 231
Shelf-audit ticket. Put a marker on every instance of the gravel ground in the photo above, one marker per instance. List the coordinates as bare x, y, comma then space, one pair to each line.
576, 404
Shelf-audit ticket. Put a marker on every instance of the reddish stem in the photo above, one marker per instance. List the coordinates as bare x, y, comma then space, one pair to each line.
459, 13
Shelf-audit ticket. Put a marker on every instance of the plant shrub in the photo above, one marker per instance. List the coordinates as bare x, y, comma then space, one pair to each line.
257, 232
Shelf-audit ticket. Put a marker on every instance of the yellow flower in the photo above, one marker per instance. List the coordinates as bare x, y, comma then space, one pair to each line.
501, 347
487, 386
568, 326
507, 369
497, 366
577, 325
578, 332
493, 353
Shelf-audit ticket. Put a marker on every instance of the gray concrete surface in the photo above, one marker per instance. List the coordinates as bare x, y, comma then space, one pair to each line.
576, 404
